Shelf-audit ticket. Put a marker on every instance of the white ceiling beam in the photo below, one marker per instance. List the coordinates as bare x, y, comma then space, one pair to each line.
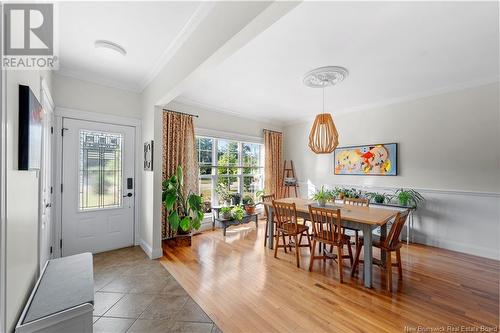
226, 27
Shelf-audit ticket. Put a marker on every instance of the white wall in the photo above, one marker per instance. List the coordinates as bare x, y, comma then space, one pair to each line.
22, 203
449, 147
82, 95
219, 121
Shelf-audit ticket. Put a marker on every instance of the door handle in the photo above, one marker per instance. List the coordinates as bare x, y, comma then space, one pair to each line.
48, 205
128, 195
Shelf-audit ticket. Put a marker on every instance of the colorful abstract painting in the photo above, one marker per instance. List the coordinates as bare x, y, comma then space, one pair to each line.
377, 160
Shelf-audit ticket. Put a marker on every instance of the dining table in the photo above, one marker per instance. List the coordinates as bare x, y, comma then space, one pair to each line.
361, 218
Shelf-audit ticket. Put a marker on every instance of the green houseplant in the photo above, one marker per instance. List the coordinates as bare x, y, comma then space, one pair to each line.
408, 197
322, 196
226, 213
237, 213
249, 204
185, 212
379, 197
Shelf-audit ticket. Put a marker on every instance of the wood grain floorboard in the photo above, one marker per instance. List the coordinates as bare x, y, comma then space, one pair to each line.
243, 288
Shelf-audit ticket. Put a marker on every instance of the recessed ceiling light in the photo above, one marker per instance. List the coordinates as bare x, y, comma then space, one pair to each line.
111, 46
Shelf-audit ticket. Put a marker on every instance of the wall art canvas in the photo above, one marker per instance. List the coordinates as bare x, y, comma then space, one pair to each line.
374, 160
148, 155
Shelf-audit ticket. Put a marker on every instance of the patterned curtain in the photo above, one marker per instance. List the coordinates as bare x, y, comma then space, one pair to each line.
273, 164
179, 148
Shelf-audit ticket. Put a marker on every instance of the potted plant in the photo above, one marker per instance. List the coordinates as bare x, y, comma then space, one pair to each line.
224, 194
249, 204
409, 197
379, 197
322, 196
235, 199
237, 213
184, 211
226, 213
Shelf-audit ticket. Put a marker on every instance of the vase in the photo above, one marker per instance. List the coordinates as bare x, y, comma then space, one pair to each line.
322, 202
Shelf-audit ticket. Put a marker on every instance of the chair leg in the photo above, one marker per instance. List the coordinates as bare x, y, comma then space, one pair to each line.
356, 259
266, 233
309, 242
349, 250
297, 251
400, 266
312, 256
388, 271
284, 241
356, 240
340, 261
276, 243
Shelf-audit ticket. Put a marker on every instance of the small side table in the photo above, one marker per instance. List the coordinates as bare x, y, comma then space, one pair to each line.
246, 219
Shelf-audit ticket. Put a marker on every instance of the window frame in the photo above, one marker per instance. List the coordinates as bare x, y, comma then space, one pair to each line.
215, 165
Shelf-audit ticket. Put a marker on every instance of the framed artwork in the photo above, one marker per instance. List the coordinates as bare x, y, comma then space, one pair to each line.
148, 155
370, 160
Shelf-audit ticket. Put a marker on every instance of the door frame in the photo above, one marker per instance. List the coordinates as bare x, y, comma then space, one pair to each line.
60, 113
45, 93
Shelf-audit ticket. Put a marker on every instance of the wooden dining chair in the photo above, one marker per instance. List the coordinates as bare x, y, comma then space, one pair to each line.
287, 226
389, 245
356, 202
327, 230
268, 198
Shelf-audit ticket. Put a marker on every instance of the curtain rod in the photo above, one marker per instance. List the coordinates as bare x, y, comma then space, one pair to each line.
265, 129
186, 114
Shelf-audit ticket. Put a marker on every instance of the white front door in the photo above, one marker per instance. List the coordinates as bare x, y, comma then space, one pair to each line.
98, 187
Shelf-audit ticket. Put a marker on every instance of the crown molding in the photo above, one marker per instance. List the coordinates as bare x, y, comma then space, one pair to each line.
407, 98
182, 101
192, 23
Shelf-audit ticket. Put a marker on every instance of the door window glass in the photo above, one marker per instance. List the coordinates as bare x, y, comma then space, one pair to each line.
100, 174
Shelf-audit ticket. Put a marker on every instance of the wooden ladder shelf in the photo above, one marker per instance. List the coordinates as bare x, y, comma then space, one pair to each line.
289, 181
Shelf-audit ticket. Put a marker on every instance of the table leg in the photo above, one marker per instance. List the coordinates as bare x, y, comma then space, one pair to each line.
368, 255
256, 221
383, 235
270, 224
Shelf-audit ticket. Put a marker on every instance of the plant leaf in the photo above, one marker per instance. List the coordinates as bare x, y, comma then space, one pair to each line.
173, 220
196, 224
180, 175
170, 198
185, 223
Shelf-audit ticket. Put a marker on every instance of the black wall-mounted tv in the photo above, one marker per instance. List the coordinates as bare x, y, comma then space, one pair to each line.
30, 130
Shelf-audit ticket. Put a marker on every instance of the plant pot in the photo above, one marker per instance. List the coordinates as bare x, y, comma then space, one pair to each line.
226, 216
182, 240
322, 202
403, 202
379, 200
341, 196
250, 209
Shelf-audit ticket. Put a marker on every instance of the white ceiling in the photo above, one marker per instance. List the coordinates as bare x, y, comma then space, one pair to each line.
148, 31
393, 51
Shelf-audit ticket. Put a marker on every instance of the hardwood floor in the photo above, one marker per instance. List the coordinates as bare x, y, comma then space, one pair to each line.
243, 288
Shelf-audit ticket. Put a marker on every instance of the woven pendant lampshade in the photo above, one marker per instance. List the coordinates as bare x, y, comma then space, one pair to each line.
323, 138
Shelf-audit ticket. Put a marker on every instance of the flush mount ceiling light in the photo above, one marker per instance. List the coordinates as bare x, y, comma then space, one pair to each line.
110, 46
324, 138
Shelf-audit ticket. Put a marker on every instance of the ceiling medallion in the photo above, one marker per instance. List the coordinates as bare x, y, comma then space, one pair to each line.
325, 76
324, 138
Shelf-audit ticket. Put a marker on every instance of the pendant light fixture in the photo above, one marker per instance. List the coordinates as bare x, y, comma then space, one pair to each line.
324, 138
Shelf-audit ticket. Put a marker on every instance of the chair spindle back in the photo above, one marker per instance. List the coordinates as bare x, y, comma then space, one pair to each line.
392, 239
326, 223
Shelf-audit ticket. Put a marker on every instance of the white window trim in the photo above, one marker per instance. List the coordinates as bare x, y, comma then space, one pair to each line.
242, 139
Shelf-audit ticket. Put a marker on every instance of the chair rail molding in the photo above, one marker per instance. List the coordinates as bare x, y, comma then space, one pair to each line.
446, 218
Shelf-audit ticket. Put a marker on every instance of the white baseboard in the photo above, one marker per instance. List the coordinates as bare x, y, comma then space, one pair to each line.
152, 253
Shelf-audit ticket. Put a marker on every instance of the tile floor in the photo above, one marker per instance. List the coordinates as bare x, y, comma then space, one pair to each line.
135, 294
